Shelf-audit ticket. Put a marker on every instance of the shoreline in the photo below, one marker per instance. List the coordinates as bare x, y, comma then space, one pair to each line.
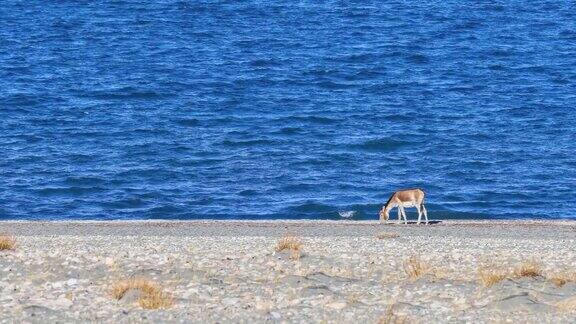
268, 228
340, 221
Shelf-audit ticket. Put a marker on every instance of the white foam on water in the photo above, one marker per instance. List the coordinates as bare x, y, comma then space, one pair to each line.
347, 213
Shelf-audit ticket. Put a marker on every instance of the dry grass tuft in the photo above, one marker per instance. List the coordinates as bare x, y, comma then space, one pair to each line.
562, 278
292, 244
390, 318
567, 305
415, 268
558, 281
151, 294
155, 300
387, 235
7, 242
528, 269
489, 277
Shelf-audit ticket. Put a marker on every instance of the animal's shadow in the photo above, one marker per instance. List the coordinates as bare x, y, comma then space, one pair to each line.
430, 222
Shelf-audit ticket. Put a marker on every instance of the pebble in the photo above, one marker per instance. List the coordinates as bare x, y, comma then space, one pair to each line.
336, 305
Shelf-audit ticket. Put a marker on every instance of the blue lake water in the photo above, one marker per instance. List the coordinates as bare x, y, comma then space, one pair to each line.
270, 109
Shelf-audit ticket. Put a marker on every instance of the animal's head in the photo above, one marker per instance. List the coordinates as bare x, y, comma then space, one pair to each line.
384, 214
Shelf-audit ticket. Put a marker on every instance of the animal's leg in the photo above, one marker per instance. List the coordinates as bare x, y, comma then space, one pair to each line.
425, 213
399, 214
419, 214
405, 218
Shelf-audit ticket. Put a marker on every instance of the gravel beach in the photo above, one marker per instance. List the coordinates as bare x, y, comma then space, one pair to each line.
337, 271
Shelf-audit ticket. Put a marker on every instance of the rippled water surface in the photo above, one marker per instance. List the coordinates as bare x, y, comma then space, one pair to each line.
270, 109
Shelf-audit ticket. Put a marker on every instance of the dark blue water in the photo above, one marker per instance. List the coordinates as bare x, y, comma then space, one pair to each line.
269, 109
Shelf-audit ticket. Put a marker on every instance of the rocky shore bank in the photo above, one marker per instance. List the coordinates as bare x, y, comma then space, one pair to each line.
208, 271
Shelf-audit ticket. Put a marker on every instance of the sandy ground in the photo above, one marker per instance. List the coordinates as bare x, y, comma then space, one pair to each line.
229, 271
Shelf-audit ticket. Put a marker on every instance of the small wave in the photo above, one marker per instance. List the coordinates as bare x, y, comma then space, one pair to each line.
497, 67
315, 119
151, 174
127, 203
334, 85
164, 212
357, 58
500, 52
20, 100
248, 193
434, 214
468, 25
398, 118
313, 162
188, 122
68, 191
493, 7
122, 94
247, 143
263, 63
311, 207
465, 89
84, 181
382, 144
567, 34
418, 59
28, 138
365, 74
347, 213
200, 162
290, 130
297, 187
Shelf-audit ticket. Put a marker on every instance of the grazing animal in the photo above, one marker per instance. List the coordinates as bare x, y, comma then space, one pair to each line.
402, 199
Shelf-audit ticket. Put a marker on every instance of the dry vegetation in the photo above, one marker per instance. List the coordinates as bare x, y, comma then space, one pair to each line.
391, 318
387, 235
489, 276
528, 269
291, 244
151, 294
7, 242
567, 305
415, 268
562, 278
